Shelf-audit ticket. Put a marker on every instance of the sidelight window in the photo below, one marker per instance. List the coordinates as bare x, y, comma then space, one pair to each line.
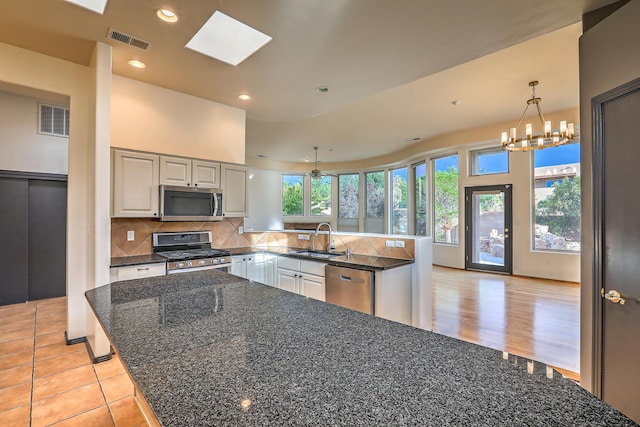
446, 202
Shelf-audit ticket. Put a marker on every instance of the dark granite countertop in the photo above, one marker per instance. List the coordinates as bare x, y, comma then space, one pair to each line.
198, 344
136, 260
364, 262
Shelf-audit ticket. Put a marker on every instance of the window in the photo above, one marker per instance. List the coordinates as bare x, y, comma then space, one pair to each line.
399, 201
54, 120
489, 161
321, 196
557, 198
349, 196
420, 174
445, 199
293, 195
374, 193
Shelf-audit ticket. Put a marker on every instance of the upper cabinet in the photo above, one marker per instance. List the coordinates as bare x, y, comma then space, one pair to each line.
235, 183
137, 176
186, 172
135, 184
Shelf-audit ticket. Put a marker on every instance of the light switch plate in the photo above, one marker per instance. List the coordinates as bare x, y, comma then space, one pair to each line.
390, 243
303, 237
131, 235
240, 230
399, 243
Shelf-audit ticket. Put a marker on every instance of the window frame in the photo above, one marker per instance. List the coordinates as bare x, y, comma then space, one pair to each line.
455, 241
495, 150
282, 195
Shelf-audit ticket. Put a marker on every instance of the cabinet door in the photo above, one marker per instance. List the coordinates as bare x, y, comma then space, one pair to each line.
137, 271
206, 174
270, 270
255, 268
175, 171
235, 183
135, 184
239, 266
312, 286
287, 280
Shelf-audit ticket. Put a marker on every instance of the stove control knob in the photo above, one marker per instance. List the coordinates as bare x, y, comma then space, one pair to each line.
201, 262
222, 260
180, 265
189, 264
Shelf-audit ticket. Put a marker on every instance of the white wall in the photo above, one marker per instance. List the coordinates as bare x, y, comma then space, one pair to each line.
22, 148
609, 57
150, 118
265, 206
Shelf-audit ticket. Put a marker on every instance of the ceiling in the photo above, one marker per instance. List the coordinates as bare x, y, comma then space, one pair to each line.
393, 68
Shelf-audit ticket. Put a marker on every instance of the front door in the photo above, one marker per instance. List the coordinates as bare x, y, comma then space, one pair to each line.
488, 228
617, 245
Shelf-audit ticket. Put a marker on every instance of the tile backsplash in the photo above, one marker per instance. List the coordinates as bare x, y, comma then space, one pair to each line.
225, 235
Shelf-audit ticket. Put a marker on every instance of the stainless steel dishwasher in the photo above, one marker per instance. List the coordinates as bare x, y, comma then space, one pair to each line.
350, 288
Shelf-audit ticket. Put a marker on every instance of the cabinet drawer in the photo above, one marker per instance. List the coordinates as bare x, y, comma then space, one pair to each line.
312, 267
289, 263
137, 271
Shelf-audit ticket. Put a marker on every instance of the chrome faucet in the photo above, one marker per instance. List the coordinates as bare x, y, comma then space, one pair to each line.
330, 245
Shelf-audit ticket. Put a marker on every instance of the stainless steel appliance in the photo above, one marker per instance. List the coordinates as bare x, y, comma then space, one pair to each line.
190, 251
350, 288
190, 203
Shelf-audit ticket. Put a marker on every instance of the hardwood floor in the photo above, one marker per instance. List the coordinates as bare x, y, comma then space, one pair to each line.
535, 318
45, 382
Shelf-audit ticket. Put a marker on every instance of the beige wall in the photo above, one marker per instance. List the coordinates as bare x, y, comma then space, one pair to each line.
609, 57
150, 118
22, 148
34, 70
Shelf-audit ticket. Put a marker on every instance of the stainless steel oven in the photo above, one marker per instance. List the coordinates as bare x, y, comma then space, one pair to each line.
190, 251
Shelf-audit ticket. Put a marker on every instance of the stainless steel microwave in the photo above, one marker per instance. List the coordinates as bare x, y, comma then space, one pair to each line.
190, 203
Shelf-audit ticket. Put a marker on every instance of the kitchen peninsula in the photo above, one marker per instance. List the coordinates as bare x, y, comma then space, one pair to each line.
207, 348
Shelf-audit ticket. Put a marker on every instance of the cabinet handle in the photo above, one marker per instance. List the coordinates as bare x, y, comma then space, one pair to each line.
143, 269
195, 185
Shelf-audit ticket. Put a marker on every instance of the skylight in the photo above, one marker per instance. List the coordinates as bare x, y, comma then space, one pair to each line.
96, 6
227, 40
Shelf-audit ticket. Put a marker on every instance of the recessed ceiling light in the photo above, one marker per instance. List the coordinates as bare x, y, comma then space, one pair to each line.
167, 15
96, 6
137, 63
227, 40
322, 89
244, 97
455, 103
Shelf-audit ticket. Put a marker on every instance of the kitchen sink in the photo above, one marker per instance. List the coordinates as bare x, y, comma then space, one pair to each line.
319, 254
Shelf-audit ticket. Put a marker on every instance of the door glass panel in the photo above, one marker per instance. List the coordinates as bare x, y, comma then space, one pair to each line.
488, 227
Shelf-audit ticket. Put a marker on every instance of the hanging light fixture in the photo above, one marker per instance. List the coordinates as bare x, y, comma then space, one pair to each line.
512, 142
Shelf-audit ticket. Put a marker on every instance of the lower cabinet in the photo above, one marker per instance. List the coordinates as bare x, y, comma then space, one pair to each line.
393, 294
257, 267
137, 271
301, 277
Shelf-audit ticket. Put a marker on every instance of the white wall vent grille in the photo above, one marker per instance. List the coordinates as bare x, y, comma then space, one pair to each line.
121, 37
54, 120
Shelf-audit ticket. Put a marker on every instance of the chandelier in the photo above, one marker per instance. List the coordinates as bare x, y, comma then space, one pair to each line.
528, 142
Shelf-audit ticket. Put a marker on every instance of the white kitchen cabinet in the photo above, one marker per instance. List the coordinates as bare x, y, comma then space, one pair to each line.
187, 172
235, 184
135, 184
301, 277
393, 294
140, 271
249, 266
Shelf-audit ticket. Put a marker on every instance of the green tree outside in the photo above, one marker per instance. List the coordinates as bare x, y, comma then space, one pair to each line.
292, 196
561, 209
445, 203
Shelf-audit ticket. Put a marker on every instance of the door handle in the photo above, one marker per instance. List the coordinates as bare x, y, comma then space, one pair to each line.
613, 296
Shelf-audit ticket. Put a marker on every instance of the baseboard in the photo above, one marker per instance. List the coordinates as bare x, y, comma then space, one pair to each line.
97, 359
74, 340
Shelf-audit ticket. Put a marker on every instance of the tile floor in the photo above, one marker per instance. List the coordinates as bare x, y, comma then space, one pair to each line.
44, 382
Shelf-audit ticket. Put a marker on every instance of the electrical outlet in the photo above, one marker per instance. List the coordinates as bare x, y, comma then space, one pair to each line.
399, 243
390, 243
304, 237
131, 235
240, 230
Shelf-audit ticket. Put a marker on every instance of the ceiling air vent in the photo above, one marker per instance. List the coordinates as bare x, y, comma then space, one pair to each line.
127, 39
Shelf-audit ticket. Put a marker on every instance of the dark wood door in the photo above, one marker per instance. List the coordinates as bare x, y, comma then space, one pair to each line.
47, 239
14, 232
617, 215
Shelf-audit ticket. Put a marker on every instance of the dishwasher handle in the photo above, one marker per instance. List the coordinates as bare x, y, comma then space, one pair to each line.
345, 278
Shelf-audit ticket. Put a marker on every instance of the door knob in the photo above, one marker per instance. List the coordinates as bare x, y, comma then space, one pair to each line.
613, 296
